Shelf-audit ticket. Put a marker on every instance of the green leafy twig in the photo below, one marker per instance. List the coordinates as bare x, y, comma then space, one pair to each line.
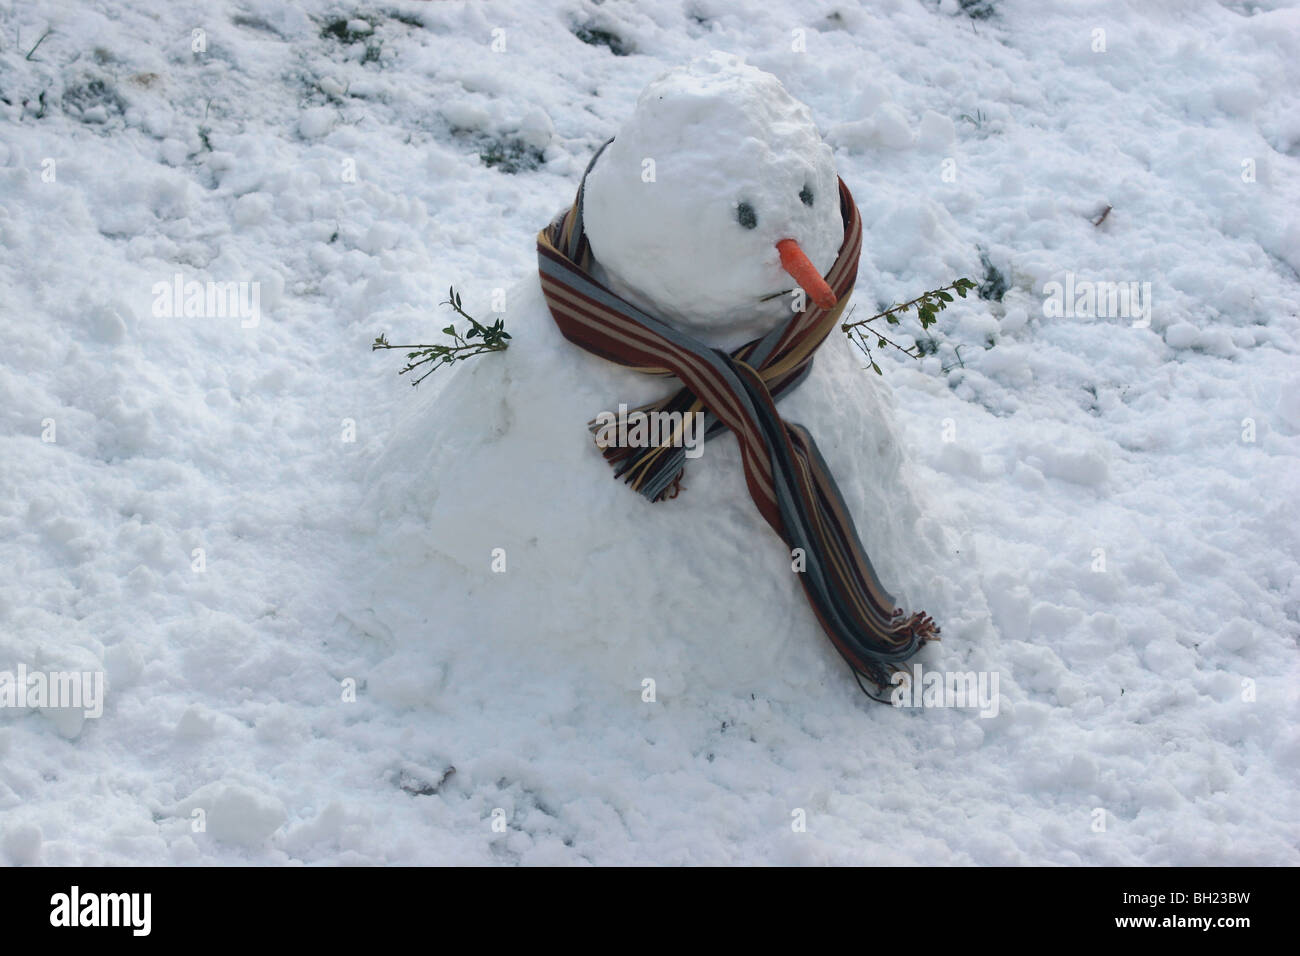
926, 305
491, 338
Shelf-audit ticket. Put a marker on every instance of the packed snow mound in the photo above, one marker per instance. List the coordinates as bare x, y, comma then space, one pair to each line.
716, 164
696, 592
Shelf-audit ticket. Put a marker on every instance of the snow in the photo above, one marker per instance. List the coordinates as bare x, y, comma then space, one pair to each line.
1100, 514
22, 843
707, 560
661, 203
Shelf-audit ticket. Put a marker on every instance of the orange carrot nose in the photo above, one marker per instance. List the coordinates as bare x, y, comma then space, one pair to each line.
805, 273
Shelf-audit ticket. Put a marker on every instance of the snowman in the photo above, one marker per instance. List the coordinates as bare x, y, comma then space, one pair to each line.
710, 223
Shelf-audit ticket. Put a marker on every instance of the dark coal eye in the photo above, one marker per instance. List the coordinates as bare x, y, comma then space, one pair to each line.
746, 216
806, 196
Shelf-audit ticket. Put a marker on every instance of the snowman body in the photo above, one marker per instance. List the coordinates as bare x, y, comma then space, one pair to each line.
526, 550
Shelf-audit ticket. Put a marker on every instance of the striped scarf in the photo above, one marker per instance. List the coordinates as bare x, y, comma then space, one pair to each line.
787, 477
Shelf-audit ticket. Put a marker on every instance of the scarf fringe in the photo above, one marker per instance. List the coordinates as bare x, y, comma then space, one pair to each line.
916, 631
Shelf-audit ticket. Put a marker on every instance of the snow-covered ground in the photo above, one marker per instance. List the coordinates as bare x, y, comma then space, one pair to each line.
1108, 508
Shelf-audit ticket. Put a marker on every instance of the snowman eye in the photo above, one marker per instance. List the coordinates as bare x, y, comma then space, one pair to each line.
746, 216
806, 196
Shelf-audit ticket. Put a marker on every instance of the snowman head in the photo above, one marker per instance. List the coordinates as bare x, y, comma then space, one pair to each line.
716, 200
